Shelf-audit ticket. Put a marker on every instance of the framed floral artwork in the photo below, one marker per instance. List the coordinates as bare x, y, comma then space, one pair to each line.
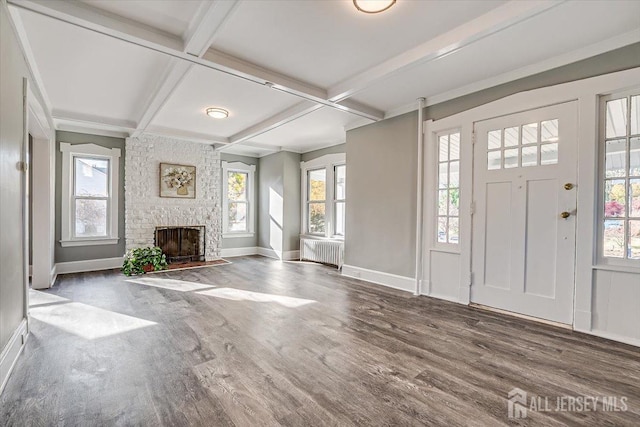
177, 181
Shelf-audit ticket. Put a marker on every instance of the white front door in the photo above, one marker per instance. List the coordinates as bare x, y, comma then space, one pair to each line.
523, 248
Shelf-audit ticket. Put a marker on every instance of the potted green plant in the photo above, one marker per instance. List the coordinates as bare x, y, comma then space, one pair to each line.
143, 260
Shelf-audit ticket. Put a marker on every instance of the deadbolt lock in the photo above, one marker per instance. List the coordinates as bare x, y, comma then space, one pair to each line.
568, 186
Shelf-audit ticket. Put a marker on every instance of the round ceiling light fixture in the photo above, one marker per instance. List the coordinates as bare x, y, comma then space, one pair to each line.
217, 113
373, 6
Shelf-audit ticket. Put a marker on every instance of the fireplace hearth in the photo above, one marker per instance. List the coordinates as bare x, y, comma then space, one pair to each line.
181, 244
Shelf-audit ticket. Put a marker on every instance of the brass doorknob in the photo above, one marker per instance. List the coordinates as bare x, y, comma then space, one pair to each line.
565, 215
568, 186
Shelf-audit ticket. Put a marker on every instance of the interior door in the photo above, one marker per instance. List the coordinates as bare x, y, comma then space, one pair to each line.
523, 249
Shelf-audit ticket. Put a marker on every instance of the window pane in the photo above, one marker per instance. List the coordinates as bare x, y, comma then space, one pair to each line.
494, 139
634, 240
453, 230
549, 130
442, 229
634, 157
91, 218
493, 160
454, 146
530, 133
511, 136
317, 184
511, 158
634, 198
237, 186
340, 218
443, 175
613, 245
549, 154
454, 174
635, 115
341, 182
454, 201
238, 216
316, 217
615, 158
444, 148
616, 118
91, 177
442, 202
530, 156
614, 198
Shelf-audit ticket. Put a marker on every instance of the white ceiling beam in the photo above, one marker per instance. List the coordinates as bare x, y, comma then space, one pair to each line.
74, 122
273, 122
202, 30
123, 29
470, 32
205, 25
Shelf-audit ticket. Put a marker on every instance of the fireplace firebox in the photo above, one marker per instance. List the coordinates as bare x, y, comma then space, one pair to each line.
181, 244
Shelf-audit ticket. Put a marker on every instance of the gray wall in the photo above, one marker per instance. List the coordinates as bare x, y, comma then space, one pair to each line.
340, 148
382, 168
244, 242
381, 188
279, 205
13, 69
81, 253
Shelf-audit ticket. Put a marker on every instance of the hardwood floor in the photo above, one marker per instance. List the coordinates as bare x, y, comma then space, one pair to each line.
259, 342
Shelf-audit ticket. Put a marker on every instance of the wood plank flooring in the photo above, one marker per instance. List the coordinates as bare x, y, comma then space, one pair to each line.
260, 342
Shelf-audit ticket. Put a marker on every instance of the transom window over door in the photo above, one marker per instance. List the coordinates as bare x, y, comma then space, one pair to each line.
620, 224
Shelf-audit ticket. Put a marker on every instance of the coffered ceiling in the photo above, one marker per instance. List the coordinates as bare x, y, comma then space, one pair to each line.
293, 74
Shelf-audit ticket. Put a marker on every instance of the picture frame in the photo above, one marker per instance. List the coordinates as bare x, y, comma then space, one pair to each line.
177, 181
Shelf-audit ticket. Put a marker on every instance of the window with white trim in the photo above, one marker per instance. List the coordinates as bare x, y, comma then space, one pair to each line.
448, 206
238, 199
89, 195
324, 196
620, 178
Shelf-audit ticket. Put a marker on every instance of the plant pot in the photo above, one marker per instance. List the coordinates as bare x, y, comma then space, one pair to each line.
182, 191
147, 268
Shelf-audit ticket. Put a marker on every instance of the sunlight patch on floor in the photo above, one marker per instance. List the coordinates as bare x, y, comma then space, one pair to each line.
173, 284
86, 321
37, 298
242, 295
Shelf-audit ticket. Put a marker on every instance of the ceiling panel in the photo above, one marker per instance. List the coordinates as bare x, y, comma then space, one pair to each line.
563, 29
90, 74
320, 128
324, 42
172, 17
247, 103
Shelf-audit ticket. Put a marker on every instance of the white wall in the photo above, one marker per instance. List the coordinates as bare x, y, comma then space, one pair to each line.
145, 209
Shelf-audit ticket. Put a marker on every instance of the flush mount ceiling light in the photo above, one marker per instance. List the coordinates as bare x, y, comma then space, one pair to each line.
373, 6
217, 113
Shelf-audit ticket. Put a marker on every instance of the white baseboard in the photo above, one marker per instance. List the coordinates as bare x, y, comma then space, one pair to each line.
378, 277
231, 252
54, 275
88, 265
11, 352
613, 337
445, 298
284, 256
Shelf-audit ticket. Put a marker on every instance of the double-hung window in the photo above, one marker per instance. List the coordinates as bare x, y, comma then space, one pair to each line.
89, 195
620, 179
324, 196
238, 199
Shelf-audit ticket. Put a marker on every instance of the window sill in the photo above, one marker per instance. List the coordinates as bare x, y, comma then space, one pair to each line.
617, 268
88, 242
320, 237
237, 235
